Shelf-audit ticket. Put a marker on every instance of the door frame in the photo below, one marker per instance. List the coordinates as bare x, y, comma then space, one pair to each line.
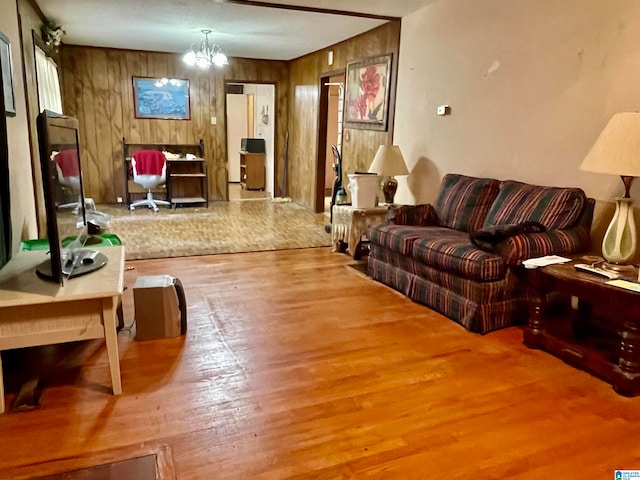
321, 146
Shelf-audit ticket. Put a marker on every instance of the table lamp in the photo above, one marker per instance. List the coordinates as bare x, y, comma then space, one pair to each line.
389, 162
617, 151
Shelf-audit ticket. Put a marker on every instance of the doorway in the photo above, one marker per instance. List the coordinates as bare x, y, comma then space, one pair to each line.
249, 110
329, 133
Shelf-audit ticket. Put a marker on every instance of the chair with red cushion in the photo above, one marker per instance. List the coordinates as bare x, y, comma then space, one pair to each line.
68, 171
149, 169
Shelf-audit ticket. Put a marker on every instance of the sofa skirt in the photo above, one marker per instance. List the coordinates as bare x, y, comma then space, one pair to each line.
480, 315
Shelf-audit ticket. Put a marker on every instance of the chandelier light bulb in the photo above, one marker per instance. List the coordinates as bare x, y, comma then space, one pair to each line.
205, 54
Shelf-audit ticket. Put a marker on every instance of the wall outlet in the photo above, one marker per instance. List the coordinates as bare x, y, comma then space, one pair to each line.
119, 199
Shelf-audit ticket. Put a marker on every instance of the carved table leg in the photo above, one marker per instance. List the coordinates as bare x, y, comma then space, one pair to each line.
629, 361
537, 311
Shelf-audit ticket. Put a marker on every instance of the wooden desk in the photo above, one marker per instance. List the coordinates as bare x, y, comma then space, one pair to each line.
38, 312
601, 337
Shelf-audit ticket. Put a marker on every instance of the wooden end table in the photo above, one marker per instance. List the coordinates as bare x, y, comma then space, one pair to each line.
601, 336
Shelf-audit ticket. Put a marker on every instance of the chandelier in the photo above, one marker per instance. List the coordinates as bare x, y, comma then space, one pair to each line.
205, 54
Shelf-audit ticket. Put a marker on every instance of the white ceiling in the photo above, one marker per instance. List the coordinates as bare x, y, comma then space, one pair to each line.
248, 31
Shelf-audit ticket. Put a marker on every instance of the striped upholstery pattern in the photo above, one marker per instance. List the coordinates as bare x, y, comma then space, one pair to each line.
555, 208
559, 242
423, 215
398, 238
438, 266
463, 202
452, 251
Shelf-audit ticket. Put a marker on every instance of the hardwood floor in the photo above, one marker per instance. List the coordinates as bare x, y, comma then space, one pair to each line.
297, 366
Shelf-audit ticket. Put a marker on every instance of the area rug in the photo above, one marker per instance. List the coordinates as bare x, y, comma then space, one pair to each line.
223, 227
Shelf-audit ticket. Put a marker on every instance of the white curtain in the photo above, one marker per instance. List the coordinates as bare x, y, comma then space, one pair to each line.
49, 95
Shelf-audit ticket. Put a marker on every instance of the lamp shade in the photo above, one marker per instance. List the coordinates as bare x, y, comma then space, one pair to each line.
617, 149
389, 161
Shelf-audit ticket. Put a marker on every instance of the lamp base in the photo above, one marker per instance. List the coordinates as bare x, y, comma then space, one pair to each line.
626, 270
619, 243
389, 187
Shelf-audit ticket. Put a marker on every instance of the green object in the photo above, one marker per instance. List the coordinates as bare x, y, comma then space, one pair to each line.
102, 240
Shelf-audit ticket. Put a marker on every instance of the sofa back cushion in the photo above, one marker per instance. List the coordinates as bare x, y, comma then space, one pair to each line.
553, 207
463, 202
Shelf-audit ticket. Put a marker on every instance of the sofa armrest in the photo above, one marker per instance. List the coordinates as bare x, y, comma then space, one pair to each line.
413, 215
518, 248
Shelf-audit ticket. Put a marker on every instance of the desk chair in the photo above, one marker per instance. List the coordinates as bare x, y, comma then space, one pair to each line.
68, 170
149, 169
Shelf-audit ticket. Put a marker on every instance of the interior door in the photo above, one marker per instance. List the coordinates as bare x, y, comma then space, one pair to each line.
237, 128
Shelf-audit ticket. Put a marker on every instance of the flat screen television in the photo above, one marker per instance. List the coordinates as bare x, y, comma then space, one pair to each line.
64, 200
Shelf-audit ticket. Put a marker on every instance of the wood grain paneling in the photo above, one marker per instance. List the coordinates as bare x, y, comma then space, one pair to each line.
98, 91
358, 146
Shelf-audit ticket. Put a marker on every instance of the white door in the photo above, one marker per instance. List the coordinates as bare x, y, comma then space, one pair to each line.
237, 128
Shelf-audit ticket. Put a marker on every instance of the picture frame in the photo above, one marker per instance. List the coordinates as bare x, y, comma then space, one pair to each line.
7, 76
367, 93
161, 98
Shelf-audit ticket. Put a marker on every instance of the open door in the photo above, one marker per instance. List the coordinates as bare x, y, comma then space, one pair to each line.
329, 134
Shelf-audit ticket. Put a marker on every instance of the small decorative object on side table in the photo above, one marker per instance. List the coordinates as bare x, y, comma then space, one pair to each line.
350, 225
602, 336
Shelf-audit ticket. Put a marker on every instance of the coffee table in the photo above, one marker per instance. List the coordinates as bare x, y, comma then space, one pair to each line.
601, 334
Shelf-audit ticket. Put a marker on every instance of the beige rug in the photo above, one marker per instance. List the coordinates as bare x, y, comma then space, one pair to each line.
224, 227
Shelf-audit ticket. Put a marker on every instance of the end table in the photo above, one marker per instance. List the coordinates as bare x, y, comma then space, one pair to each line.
350, 224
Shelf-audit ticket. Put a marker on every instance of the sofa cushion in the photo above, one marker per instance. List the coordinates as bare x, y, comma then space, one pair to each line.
553, 207
463, 202
452, 251
397, 238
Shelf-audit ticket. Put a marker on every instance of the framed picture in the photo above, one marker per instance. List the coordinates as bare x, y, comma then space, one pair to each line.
367, 93
7, 76
165, 98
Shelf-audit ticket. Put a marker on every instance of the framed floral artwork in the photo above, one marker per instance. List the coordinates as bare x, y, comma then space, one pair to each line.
367, 93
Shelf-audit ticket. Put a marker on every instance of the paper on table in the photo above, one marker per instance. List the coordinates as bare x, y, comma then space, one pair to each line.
627, 285
544, 261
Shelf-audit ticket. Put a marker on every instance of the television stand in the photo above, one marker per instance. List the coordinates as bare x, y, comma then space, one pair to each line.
37, 312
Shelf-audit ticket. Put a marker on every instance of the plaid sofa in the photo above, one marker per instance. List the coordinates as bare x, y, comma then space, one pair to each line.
431, 253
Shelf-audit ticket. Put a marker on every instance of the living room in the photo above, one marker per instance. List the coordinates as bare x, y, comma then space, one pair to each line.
530, 86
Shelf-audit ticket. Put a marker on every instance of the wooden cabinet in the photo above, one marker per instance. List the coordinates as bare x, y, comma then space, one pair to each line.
187, 180
252, 170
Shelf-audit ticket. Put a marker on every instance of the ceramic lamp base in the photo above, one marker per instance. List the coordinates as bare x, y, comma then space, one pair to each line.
619, 243
389, 187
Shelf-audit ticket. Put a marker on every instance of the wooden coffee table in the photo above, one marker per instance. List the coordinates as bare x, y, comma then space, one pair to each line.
600, 336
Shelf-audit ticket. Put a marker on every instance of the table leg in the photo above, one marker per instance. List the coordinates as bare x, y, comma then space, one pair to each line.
111, 339
537, 312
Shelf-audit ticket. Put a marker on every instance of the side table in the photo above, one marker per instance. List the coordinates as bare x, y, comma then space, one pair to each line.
350, 224
602, 336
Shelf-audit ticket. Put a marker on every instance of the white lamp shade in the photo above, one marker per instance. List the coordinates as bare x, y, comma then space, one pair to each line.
617, 149
389, 162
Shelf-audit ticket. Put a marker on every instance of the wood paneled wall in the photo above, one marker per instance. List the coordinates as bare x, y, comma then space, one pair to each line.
359, 146
97, 89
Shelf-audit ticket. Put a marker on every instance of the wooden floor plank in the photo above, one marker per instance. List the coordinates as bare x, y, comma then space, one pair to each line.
295, 365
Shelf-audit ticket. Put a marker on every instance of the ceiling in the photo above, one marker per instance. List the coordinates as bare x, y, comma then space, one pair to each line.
275, 30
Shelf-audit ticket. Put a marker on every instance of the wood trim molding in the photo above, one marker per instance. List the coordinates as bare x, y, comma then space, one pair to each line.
301, 8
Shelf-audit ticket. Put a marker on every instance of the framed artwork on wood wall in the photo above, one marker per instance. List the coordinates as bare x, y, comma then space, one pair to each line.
7, 76
367, 93
162, 98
